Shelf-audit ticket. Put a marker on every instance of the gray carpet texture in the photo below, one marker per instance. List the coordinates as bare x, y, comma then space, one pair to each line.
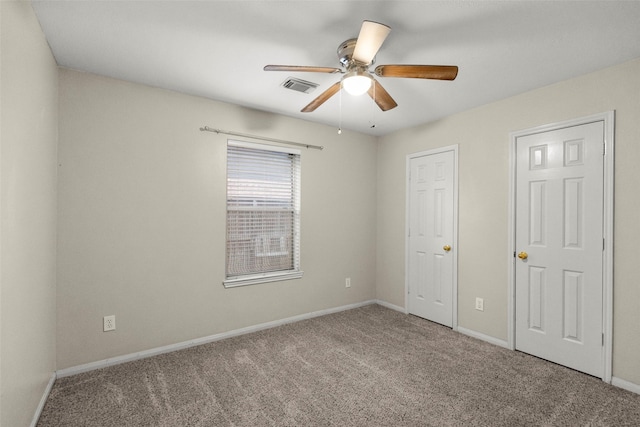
369, 366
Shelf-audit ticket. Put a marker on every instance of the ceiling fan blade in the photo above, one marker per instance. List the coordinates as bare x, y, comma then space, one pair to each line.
372, 35
301, 68
381, 97
322, 98
438, 72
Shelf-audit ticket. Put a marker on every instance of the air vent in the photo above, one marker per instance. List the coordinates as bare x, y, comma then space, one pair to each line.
299, 85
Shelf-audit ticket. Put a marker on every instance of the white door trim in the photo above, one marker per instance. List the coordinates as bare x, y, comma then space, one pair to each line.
607, 272
411, 156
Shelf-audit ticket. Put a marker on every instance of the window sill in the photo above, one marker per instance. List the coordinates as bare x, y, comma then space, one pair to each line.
262, 278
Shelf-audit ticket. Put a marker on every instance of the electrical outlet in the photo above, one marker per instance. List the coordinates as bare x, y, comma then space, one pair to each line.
109, 323
347, 282
479, 304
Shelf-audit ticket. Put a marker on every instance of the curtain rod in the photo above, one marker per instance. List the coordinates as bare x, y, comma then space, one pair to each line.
244, 135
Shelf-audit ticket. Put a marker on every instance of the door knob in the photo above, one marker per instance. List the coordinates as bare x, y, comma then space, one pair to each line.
446, 248
523, 255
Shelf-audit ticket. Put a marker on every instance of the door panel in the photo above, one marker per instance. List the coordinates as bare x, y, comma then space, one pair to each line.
537, 284
431, 228
537, 218
573, 313
559, 225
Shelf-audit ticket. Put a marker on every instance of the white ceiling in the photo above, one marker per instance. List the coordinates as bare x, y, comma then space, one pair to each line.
216, 49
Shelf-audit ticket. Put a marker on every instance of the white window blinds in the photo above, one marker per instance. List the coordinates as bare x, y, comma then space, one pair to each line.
263, 213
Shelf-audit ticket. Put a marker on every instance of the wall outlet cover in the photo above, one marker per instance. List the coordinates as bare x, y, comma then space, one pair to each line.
109, 323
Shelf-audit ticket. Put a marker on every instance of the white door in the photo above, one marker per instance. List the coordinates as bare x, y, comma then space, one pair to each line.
559, 246
431, 243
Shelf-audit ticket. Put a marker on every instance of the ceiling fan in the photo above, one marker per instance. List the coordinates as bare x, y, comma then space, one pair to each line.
356, 56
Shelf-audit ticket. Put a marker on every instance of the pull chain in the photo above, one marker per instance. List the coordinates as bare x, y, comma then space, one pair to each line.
373, 109
340, 111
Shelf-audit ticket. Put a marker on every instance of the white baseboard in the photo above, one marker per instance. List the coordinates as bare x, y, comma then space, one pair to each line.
627, 385
391, 306
483, 337
43, 400
199, 341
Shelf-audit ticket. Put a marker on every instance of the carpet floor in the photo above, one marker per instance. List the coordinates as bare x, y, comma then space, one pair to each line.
370, 366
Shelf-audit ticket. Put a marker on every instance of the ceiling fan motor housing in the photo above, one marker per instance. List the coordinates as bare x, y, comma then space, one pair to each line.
345, 55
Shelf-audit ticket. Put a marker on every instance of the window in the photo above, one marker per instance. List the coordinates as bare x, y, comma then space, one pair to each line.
263, 214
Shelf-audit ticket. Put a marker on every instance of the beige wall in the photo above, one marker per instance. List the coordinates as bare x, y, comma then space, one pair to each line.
483, 138
142, 219
29, 106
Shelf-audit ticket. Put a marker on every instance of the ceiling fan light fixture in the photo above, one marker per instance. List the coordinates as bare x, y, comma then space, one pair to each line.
357, 56
357, 82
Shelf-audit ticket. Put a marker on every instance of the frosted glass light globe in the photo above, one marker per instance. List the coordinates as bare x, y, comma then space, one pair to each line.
356, 83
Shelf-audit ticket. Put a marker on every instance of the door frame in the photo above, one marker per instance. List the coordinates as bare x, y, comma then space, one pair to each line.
608, 118
454, 299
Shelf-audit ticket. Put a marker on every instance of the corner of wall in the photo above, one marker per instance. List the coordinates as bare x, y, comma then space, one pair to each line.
28, 168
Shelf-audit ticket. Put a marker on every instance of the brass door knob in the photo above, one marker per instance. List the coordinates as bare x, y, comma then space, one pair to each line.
523, 255
446, 248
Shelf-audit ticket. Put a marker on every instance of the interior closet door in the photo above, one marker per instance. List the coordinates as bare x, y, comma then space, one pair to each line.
559, 246
432, 245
